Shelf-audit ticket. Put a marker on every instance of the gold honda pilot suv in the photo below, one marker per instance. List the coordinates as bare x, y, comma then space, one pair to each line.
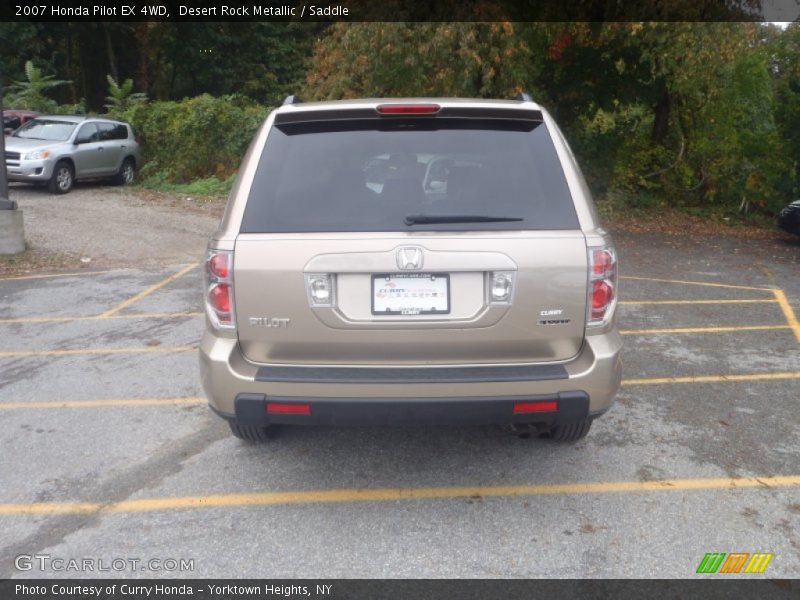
410, 260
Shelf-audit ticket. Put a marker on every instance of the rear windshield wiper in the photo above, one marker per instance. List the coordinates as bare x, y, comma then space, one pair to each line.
422, 219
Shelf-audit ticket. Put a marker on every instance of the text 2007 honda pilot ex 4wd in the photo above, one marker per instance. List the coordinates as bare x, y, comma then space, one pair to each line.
385, 261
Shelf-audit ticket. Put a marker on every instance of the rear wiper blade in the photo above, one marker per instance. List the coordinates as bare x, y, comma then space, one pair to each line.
422, 219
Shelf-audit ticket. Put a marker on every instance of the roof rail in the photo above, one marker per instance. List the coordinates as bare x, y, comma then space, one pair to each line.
293, 99
524, 97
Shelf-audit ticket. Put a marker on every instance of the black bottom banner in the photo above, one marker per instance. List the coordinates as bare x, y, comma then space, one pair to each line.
396, 589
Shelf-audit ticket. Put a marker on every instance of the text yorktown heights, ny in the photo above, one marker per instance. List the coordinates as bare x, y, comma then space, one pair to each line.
171, 590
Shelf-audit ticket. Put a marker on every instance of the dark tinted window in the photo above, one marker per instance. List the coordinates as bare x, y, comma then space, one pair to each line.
368, 175
113, 131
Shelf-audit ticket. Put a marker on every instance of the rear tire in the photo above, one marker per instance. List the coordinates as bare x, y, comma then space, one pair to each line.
127, 173
63, 178
570, 432
251, 433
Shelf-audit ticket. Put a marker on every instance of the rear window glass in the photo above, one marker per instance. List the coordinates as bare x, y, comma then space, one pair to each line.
369, 175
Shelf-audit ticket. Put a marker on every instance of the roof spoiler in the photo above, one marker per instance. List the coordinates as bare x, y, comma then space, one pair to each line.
295, 99
458, 112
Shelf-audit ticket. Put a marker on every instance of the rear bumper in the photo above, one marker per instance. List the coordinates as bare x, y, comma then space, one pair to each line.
338, 394
254, 410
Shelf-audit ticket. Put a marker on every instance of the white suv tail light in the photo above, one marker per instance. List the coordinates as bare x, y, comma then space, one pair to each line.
219, 288
602, 300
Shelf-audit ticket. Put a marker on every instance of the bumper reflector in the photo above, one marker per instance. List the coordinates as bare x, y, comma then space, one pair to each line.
288, 409
535, 407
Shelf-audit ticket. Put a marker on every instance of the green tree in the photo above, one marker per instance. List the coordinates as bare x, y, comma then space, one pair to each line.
264, 61
667, 112
419, 59
783, 55
121, 97
166, 61
30, 93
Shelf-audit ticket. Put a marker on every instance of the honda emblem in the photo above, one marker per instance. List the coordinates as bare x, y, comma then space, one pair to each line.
409, 258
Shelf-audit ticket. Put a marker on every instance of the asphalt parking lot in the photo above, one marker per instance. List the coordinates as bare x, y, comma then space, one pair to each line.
109, 451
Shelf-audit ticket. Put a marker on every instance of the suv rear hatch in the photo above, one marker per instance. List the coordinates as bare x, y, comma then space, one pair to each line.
436, 237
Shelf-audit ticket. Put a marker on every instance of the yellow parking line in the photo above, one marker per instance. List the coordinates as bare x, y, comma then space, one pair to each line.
79, 351
102, 403
703, 329
396, 494
791, 319
52, 275
175, 315
713, 378
148, 291
703, 283
764, 301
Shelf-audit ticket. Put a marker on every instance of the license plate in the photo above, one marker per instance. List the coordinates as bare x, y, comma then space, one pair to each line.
411, 294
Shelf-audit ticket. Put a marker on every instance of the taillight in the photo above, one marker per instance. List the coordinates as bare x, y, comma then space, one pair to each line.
521, 408
601, 261
220, 297
408, 109
602, 286
218, 265
219, 288
280, 408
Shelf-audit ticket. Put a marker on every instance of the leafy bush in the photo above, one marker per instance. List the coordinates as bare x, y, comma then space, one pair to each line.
79, 108
29, 93
195, 139
121, 96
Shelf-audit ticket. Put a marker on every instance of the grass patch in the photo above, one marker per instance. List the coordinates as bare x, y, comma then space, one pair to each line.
209, 186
